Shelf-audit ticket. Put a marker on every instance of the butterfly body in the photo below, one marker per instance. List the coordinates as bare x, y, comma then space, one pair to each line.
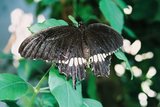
73, 48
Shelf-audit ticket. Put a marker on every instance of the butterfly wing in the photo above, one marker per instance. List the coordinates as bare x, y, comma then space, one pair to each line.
68, 46
61, 44
102, 41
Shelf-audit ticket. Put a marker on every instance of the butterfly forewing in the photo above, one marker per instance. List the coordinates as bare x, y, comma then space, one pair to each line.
61, 44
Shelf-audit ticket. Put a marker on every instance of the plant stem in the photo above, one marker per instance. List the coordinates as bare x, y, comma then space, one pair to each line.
32, 99
45, 88
41, 81
44, 91
37, 88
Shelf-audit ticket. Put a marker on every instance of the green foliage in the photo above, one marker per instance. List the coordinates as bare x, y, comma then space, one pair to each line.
63, 91
91, 103
130, 32
29, 1
146, 11
48, 2
113, 14
86, 12
6, 56
12, 87
25, 100
92, 89
27, 67
45, 100
121, 3
157, 16
120, 55
46, 24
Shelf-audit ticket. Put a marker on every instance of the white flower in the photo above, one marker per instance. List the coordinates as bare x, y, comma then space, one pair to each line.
19, 23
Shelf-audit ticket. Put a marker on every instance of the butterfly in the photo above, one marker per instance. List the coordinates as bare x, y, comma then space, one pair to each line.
74, 48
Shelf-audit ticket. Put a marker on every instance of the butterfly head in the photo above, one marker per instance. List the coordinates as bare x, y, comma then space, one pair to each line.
81, 25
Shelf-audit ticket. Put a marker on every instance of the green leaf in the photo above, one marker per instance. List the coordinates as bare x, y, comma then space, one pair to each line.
45, 100
91, 103
10, 104
27, 67
157, 16
92, 89
12, 87
24, 69
73, 20
46, 24
40, 8
146, 12
86, 12
121, 3
120, 55
48, 2
63, 91
6, 56
130, 32
113, 14
29, 1
25, 100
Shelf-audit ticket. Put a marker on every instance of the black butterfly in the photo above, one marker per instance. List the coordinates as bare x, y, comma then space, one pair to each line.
73, 48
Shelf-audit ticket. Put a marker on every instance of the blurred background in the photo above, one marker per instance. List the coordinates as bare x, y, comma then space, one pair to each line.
140, 29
